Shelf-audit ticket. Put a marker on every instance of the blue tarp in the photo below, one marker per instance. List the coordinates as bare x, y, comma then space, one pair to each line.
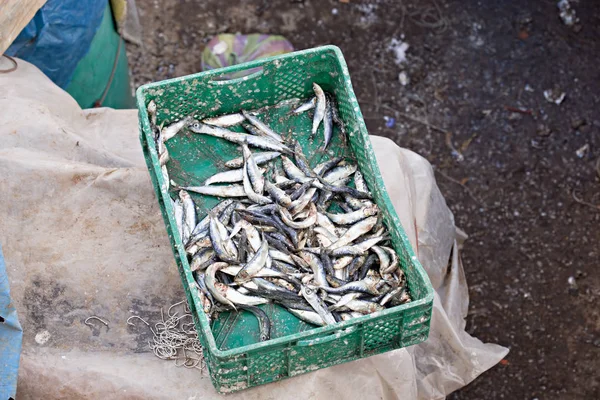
11, 335
58, 36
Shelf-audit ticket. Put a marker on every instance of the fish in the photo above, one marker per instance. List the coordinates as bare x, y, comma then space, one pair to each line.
222, 245
170, 131
394, 261
231, 176
299, 204
384, 259
325, 166
210, 281
255, 264
218, 191
335, 116
342, 301
165, 176
226, 120
163, 157
151, 108
358, 229
259, 159
353, 217
308, 316
254, 173
319, 108
316, 266
240, 138
340, 172
363, 286
278, 195
178, 214
306, 223
363, 307
327, 125
249, 190
309, 105
189, 215
203, 259
264, 323
236, 297
201, 229
262, 126
310, 295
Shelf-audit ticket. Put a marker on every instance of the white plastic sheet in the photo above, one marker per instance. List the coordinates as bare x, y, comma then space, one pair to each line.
82, 235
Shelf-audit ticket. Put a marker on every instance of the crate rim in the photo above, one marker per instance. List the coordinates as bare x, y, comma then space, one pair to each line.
289, 339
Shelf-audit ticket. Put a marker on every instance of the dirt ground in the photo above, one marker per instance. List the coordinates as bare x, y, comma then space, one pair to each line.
512, 165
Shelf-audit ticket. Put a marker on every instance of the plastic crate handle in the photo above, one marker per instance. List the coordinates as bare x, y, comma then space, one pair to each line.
334, 336
223, 82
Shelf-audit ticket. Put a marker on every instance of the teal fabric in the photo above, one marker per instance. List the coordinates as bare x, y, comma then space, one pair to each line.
11, 335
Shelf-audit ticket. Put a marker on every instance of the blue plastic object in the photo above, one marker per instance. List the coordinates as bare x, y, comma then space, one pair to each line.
11, 335
58, 36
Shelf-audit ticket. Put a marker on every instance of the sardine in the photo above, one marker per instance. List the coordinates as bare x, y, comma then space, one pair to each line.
264, 323
316, 266
350, 218
254, 173
394, 261
358, 229
262, 126
163, 157
302, 202
225, 121
319, 108
310, 295
308, 222
363, 286
309, 105
342, 301
255, 264
335, 116
218, 191
223, 246
363, 307
327, 125
189, 215
240, 138
236, 297
211, 282
384, 259
202, 259
308, 316
342, 262
364, 269
249, 190
178, 213
173, 129
324, 167
151, 108
234, 175
259, 158
278, 195
340, 172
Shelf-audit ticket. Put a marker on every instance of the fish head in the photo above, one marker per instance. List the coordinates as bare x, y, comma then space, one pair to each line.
196, 126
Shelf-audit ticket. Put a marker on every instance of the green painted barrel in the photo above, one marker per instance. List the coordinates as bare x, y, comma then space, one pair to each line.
97, 71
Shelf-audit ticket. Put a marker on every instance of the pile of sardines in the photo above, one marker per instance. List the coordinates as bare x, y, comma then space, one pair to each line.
301, 238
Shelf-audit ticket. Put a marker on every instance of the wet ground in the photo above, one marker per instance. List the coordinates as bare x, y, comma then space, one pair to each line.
521, 174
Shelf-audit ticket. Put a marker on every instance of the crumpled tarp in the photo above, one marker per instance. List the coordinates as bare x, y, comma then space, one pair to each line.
10, 338
83, 235
58, 36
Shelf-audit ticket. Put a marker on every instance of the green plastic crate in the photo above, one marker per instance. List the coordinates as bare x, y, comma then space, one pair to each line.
235, 358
